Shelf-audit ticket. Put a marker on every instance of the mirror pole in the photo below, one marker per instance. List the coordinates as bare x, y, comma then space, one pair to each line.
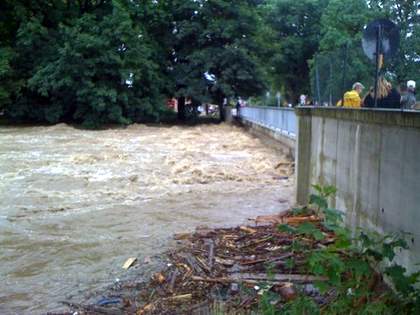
378, 61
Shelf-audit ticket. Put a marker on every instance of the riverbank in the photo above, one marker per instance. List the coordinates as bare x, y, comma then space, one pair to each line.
214, 270
301, 261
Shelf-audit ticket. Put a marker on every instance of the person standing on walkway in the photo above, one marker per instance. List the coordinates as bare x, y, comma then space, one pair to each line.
408, 99
238, 107
369, 101
302, 100
388, 97
391, 98
352, 98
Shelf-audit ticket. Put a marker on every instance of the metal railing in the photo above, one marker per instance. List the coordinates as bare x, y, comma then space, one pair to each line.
278, 119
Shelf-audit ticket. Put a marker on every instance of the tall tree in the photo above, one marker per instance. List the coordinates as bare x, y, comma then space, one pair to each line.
86, 61
188, 72
216, 39
296, 34
340, 60
6, 86
11, 13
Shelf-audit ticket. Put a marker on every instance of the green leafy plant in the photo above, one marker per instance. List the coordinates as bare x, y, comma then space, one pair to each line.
352, 265
267, 303
301, 306
321, 198
301, 211
308, 229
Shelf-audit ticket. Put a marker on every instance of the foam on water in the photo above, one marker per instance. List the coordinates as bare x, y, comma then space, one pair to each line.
74, 204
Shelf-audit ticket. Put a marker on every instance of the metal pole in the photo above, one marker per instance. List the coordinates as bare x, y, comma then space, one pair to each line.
330, 84
378, 59
343, 87
317, 82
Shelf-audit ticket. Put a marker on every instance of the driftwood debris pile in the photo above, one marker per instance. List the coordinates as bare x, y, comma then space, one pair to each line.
229, 268
230, 265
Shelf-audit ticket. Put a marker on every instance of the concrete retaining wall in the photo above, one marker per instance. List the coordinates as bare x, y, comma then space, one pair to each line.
373, 158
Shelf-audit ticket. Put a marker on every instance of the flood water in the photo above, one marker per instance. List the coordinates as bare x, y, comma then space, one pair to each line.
75, 204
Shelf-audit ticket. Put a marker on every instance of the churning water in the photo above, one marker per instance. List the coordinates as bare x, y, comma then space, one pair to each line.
75, 204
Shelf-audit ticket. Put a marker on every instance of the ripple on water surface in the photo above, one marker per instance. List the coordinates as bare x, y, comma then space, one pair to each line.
75, 203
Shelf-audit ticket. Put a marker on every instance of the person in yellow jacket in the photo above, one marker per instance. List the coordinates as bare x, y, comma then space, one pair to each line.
352, 98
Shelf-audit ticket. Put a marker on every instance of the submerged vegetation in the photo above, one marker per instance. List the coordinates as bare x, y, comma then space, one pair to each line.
117, 61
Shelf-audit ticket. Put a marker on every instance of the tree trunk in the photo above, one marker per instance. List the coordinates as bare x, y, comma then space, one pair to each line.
222, 112
221, 100
181, 108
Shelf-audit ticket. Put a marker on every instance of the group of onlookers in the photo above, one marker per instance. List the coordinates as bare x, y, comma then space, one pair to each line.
387, 96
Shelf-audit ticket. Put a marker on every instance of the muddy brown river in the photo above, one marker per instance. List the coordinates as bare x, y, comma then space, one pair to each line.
75, 204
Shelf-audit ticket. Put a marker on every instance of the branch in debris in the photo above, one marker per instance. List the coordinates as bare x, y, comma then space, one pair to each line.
256, 278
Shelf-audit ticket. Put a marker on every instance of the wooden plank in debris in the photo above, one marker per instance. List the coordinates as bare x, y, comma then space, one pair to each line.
254, 262
202, 264
129, 262
277, 218
221, 280
265, 239
211, 254
257, 278
248, 229
182, 236
226, 262
278, 277
193, 263
174, 275
179, 298
299, 220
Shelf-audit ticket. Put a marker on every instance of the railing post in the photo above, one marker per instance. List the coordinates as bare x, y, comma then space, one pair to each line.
283, 125
286, 122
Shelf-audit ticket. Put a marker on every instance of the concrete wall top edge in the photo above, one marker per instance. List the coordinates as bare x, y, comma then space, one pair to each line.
273, 107
394, 117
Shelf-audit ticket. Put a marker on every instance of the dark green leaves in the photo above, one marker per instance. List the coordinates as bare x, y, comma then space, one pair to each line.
310, 230
319, 201
381, 247
6, 84
325, 191
287, 228
301, 306
403, 284
328, 264
300, 211
352, 267
307, 229
333, 216
97, 66
217, 37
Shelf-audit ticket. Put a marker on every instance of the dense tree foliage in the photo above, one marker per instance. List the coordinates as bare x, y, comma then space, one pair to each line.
85, 61
295, 27
215, 55
116, 61
340, 61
